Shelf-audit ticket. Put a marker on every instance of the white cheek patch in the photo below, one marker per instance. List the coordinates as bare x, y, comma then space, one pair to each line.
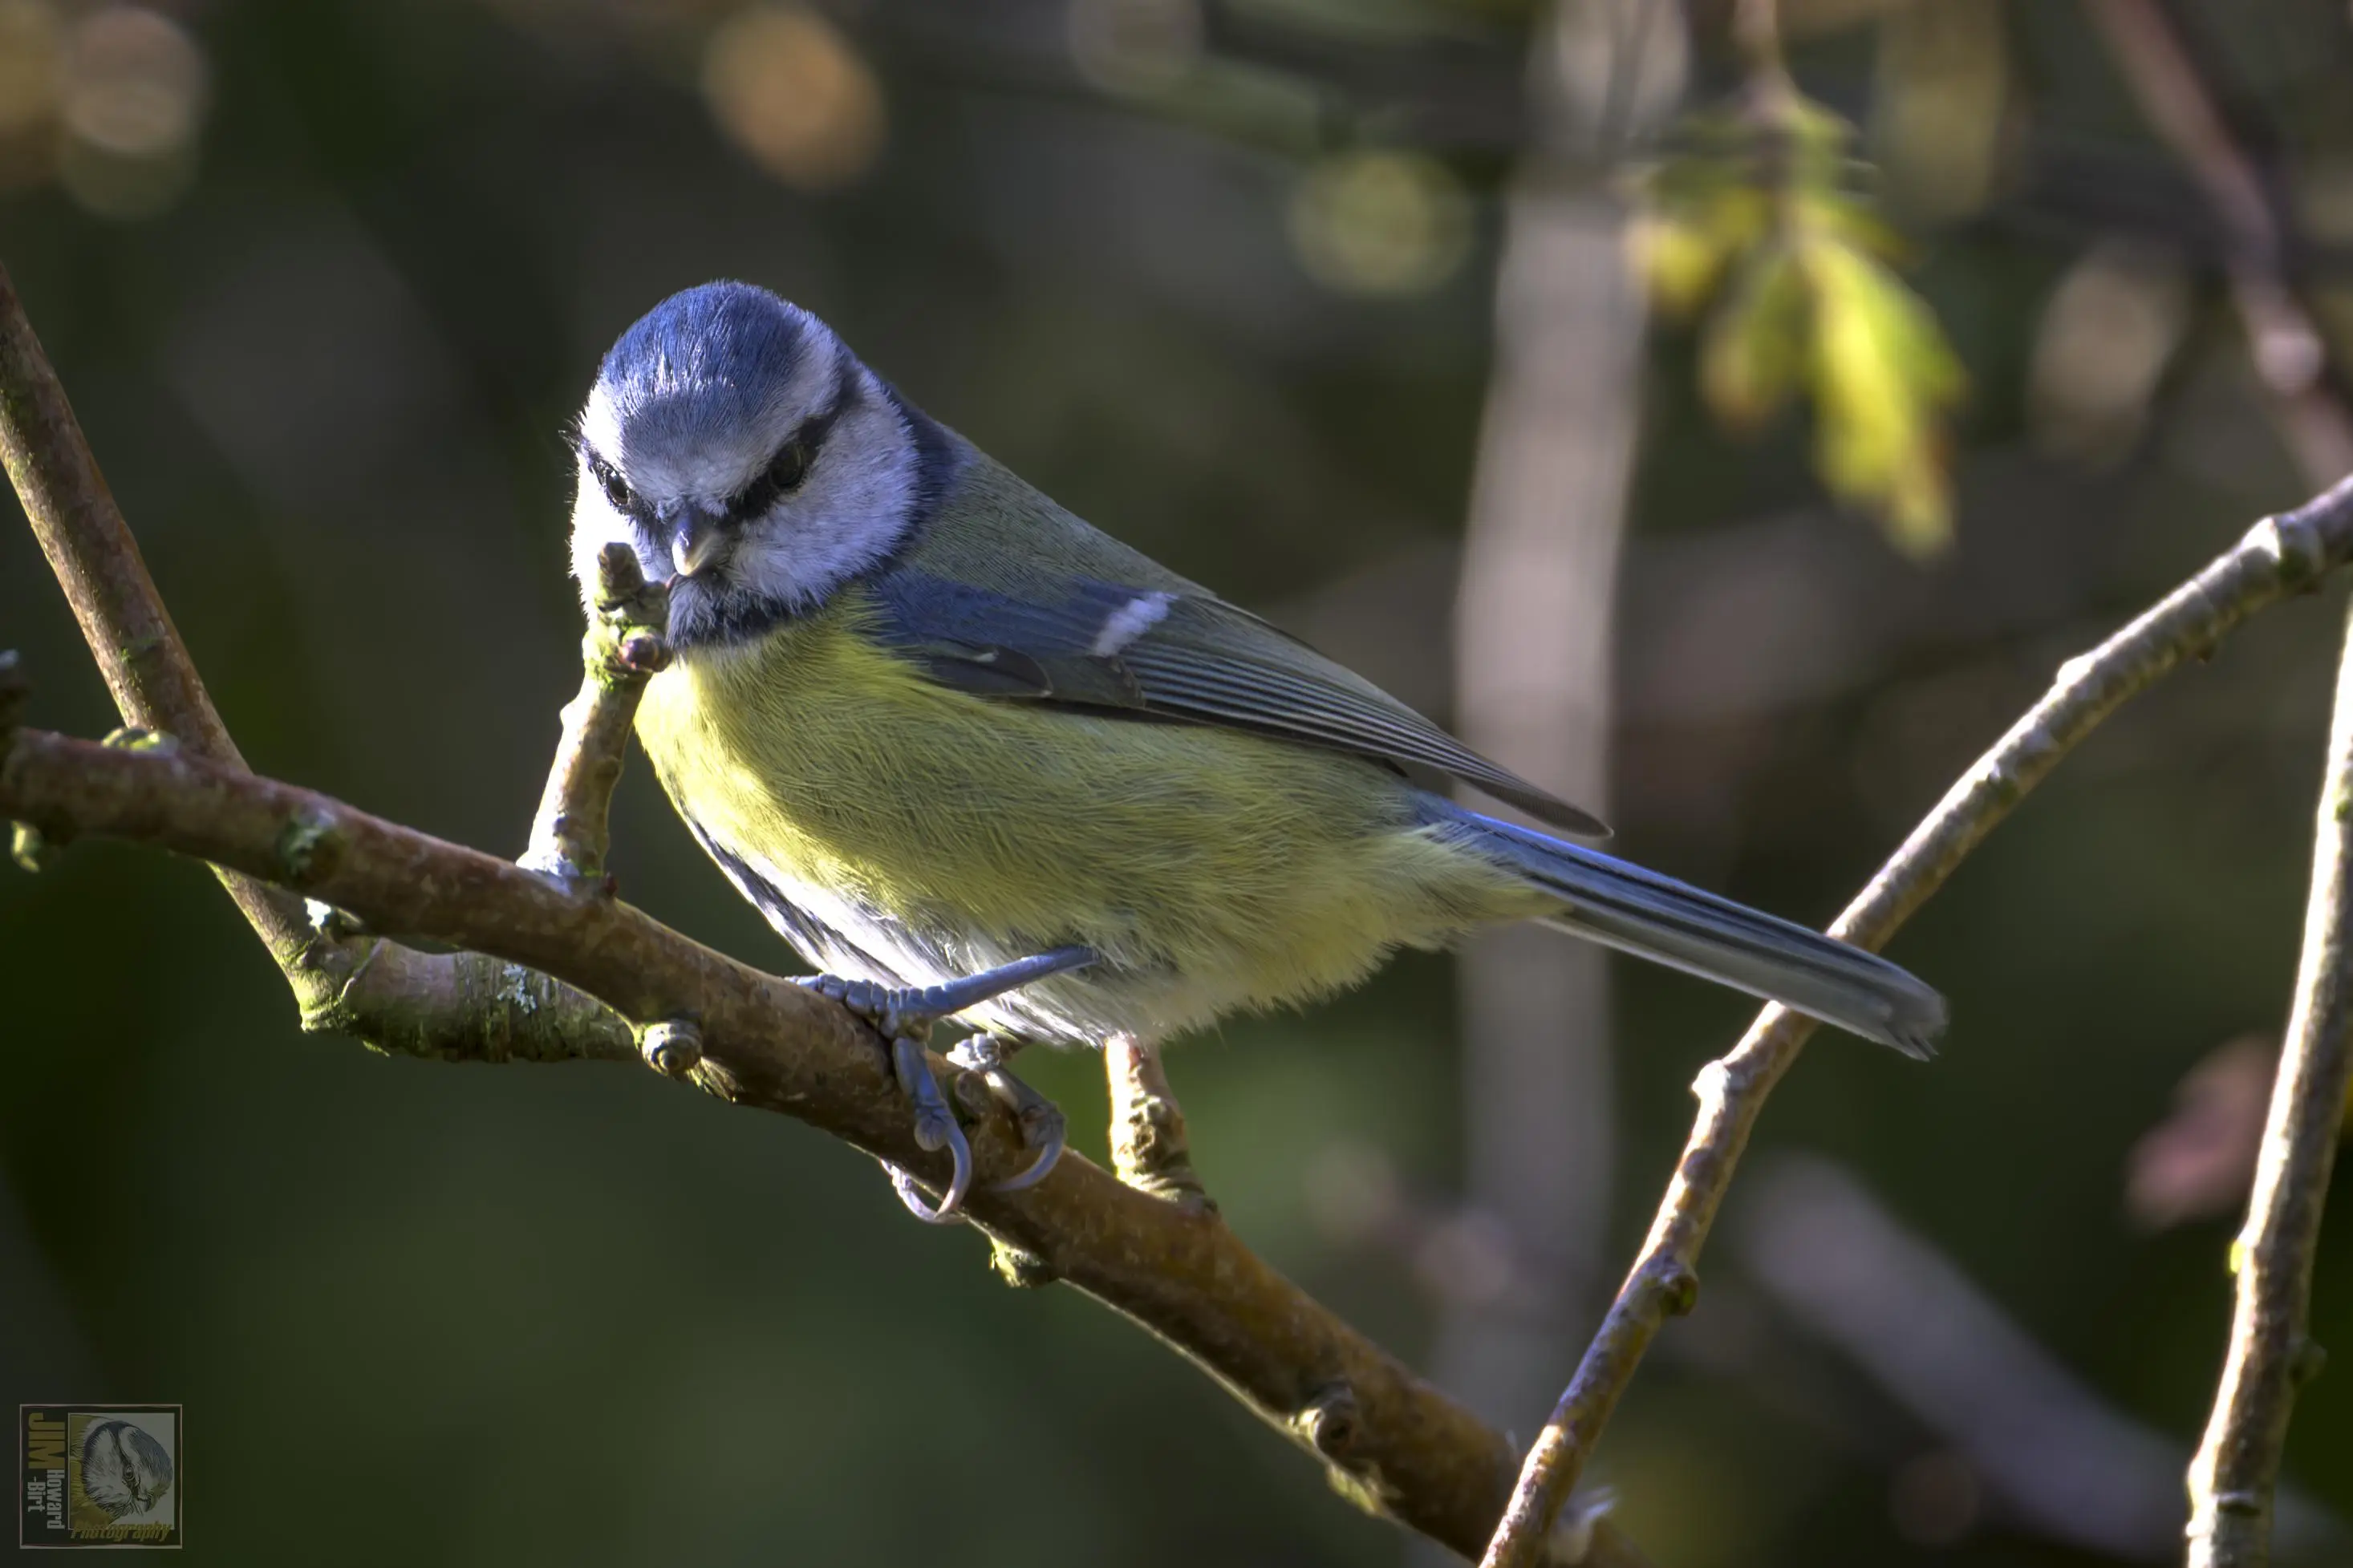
852, 512
595, 524
1129, 621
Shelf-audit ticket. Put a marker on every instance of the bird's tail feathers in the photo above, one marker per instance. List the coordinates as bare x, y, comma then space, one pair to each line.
1612, 901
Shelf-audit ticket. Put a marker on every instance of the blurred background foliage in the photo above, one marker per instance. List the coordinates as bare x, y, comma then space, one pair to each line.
327, 277
1758, 211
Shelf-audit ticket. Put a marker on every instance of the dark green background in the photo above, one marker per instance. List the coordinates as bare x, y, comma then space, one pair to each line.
420, 1313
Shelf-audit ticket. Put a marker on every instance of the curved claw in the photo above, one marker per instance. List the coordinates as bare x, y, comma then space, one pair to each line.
1049, 1155
951, 1209
1040, 1119
935, 1127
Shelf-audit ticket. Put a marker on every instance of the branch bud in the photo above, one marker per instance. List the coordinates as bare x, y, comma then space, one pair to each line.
672, 1048
1329, 1419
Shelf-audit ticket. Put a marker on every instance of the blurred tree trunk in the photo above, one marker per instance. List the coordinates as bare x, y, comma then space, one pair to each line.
1535, 636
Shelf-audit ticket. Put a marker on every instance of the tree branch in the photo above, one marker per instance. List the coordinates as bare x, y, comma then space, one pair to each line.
451, 1007
469, 1007
1149, 1147
1392, 1441
2235, 1473
571, 832
2232, 1479
559, 968
98, 563
2289, 352
2279, 557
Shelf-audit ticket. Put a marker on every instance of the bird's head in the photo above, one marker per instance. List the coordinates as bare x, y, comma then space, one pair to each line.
125, 1470
739, 447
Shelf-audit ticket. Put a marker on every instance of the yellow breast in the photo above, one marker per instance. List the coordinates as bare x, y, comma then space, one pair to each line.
1238, 870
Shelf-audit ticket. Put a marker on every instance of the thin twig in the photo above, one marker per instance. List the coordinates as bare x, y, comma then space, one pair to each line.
1756, 32
2232, 1479
1149, 1147
2279, 557
2289, 352
98, 563
547, 948
449, 1007
571, 832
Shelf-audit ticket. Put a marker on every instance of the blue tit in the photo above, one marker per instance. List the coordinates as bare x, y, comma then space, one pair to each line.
969, 754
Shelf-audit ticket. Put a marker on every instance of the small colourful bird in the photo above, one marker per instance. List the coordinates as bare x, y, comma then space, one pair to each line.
972, 757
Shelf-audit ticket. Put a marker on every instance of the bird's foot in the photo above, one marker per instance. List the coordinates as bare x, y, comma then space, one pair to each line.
906, 1026
895, 1010
913, 1010
1043, 1127
1149, 1149
935, 1127
904, 1017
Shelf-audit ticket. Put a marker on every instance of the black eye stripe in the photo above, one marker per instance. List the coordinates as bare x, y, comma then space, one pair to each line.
786, 469
784, 472
793, 460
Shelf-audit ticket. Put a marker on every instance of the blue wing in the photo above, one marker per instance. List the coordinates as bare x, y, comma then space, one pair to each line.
1183, 656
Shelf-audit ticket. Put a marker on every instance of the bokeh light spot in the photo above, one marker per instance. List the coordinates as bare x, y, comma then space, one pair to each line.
789, 88
132, 98
32, 51
30, 48
134, 84
1380, 223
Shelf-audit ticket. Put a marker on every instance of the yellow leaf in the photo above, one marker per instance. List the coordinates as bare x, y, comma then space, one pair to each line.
1684, 247
1881, 377
1679, 261
1847, 218
1754, 348
1760, 210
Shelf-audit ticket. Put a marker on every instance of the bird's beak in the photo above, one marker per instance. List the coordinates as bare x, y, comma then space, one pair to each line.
695, 540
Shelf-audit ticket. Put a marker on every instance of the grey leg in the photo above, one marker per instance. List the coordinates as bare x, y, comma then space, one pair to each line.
897, 1010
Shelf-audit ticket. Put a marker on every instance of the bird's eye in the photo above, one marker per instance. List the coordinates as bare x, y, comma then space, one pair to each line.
609, 479
790, 467
783, 473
